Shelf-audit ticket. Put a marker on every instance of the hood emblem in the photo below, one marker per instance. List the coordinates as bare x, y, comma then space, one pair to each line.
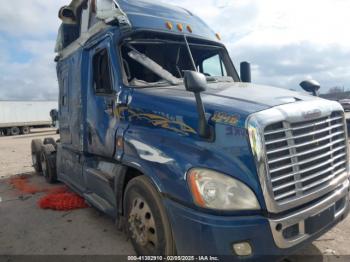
311, 114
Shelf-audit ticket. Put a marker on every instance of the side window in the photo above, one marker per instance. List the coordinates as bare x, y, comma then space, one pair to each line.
102, 73
213, 66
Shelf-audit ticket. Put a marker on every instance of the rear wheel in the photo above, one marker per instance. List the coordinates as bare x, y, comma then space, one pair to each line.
50, 141
147, 223
36, 155
48, 163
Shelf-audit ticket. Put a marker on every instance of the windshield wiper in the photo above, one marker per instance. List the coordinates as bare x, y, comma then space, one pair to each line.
215, 79
141, 83
154, 67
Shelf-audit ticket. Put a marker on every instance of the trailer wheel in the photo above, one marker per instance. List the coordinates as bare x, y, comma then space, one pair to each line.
48, 163
15, 131
147, 222
36, 155
25, 130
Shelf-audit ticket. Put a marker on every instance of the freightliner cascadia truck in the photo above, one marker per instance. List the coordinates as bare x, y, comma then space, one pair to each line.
159, 131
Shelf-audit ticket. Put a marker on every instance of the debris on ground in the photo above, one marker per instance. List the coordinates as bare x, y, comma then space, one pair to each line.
57, 198
62, 201
329, 251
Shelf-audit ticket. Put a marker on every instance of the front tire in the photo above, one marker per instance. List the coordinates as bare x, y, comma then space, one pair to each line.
147, 223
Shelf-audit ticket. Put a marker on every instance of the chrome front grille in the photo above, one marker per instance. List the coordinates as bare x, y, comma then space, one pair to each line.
304, 156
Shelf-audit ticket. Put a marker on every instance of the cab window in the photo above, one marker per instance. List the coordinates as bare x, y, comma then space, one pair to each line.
102, 73
213, 66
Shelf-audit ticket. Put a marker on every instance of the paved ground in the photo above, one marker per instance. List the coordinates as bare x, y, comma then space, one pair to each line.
15, 155
25, 229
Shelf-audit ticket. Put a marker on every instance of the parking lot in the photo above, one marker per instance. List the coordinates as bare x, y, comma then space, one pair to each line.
28, 230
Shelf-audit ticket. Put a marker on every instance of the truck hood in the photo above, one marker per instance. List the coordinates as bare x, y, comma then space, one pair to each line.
252, 97
230, 97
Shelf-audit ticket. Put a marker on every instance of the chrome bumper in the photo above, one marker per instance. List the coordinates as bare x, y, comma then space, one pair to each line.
298, 218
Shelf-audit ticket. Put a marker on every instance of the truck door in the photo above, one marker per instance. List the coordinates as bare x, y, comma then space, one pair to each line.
101, 124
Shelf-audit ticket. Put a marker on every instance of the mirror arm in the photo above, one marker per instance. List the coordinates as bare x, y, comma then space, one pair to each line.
196, 83
203, 126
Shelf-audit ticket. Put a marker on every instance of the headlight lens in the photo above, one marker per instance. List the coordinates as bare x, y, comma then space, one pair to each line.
214, 190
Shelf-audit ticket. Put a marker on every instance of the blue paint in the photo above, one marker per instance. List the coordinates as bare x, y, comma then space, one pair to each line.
159, 130
152, 15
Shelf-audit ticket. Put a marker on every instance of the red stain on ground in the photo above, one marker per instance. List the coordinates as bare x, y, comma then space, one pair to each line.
25, 186
62, 201
57, 197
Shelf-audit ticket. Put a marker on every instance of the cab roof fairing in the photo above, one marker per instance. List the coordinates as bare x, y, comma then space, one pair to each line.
132, 15
153, 15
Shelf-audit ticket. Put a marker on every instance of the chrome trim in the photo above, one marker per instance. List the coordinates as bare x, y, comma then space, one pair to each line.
302, 127
304, 135
293, 113
309, 152
299, 217
331, 152
304, 144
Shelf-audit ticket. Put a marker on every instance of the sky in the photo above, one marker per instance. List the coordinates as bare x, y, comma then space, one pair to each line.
285, 41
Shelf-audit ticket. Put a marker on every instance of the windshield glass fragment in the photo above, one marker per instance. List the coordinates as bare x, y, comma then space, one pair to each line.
154, 67
155, 62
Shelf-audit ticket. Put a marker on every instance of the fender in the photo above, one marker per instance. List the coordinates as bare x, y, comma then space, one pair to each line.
165, 159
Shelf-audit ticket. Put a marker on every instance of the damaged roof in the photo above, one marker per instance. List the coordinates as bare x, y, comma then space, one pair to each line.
153, 15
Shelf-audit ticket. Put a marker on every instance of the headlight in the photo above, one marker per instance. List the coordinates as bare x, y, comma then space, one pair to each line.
214, 190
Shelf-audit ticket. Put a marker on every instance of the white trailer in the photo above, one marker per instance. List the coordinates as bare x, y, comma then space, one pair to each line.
18, 117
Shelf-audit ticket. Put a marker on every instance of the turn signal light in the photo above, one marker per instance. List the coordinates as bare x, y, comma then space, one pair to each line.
180, 27
189, 29
218, 36
169, 25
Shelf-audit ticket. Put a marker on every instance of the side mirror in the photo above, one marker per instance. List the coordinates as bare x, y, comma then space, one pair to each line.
195, 82
311, 86
67, 15
246, 75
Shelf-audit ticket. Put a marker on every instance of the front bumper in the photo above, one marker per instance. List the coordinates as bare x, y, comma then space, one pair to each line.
297, 219
198, 233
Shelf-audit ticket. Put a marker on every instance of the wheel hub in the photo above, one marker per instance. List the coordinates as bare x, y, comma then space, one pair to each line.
141, 224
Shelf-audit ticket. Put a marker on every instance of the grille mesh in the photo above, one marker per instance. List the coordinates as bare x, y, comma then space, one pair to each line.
303, 157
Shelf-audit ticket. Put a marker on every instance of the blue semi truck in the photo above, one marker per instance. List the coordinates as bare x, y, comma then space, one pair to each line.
159, 131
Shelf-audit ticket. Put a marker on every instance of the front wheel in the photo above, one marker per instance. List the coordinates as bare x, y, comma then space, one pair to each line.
147, 223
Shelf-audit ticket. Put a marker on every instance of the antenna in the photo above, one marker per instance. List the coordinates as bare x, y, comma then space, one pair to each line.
190, 54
